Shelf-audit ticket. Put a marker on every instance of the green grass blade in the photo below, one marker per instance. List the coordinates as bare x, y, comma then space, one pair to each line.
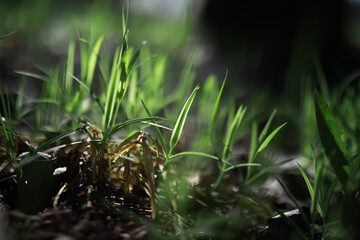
268, 139
33, 75
158, 132
307, 181
7, 136
253, 144
266, 169
119, 126
70, 68
193, 153
243, 165
316, 204
293, 199
330, 136
93, 95
92, 61
84, 56
156, 125
216, 105
112, 90
127, 63
134, 58
232, 132
329, 195
8, 131
45, 145
267, 126
179, 125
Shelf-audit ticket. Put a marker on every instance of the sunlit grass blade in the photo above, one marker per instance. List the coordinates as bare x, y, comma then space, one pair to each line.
112, 90
158, 132
232, 132
243, 165
330, 136
127, 63
69, 69
33, 75
31, 157
268, 139
119, 126
267, 126
84, 56
93, 95
230, 137
307, 181
7, 130
134, 58
156, 125
216, 105
45, 100
92, 61
51, 141
180, 122
192, 153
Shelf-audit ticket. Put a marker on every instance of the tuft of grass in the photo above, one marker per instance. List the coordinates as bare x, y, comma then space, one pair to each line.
7, 127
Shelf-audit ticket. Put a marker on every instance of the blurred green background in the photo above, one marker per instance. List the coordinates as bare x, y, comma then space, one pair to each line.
276, 52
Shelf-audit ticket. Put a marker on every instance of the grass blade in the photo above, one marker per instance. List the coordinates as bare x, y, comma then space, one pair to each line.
70, 68
307, 181
92, 61
330, 136
112, 90
264, 144
8, 131
232, 131
293, 199
266, 128
216, 105
32, 156
180, 122
94, 96
253, 144
266, 169
191, 153
119, 126
243, 165
33, 75
158, 132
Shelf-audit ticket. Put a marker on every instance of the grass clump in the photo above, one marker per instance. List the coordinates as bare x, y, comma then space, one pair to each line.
110, 157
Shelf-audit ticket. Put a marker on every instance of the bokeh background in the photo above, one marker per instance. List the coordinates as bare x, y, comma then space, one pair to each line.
272, 49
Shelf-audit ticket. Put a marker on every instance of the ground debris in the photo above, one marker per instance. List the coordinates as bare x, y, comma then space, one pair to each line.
67, 223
